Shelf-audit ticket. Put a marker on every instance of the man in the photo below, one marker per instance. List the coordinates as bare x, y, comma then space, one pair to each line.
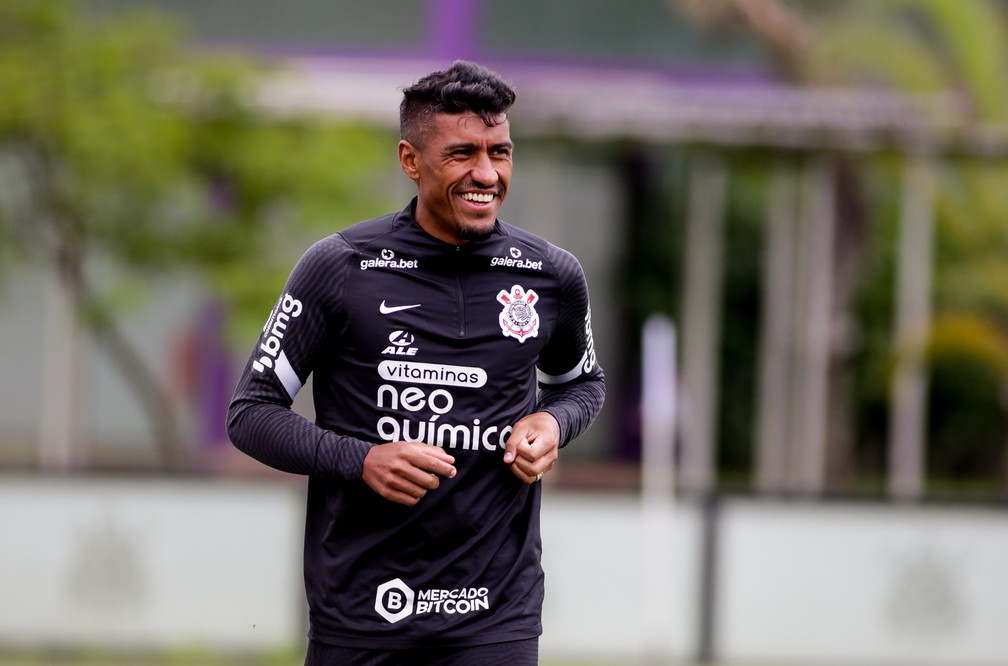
452, 358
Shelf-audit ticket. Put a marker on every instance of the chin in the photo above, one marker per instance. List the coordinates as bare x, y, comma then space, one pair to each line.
478, 231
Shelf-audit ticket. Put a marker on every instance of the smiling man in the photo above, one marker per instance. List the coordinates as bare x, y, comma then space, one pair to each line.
462, 167
452, 358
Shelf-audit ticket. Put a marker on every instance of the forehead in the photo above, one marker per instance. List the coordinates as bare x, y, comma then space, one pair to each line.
468, 127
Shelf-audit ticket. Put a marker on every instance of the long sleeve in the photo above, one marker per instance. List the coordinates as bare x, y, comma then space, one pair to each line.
574, 406
260, 420
572, 384
276, 436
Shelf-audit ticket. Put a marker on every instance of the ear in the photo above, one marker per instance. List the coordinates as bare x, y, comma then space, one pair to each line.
408, 156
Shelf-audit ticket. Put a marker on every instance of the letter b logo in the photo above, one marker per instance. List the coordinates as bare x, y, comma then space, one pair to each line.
394, 600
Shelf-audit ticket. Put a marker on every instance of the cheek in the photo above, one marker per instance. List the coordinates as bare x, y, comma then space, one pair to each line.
443, 179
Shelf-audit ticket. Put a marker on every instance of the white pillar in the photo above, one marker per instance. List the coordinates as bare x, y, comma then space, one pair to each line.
58, 399
773, 397
907, 447
815, 287
701, 320
659, 406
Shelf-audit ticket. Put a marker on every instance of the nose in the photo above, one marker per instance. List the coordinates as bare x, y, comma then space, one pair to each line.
484, 172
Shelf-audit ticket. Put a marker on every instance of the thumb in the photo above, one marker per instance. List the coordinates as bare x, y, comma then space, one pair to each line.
511, 448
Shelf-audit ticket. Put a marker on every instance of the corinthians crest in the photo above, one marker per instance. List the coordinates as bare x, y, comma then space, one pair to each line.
519, 319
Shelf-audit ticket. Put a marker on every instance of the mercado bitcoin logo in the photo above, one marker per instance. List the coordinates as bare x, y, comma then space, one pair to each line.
394, 600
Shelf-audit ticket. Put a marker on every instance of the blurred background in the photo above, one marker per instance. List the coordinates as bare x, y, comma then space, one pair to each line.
793, 217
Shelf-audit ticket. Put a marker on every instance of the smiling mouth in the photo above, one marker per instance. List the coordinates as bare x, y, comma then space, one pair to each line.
478, 197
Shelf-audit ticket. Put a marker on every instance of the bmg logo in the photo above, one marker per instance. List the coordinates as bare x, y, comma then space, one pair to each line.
394, 600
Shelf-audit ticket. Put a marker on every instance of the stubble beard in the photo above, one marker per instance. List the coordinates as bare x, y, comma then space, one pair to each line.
476, 232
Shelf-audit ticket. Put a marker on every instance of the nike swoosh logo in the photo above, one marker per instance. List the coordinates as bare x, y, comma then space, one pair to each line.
386, 309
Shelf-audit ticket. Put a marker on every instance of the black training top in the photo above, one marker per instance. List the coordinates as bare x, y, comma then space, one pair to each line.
410, 338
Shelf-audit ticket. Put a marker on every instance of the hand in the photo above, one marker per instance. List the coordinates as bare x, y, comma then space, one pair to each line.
533, 447
404, 472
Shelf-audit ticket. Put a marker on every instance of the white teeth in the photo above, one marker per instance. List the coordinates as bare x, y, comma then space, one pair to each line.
479, 198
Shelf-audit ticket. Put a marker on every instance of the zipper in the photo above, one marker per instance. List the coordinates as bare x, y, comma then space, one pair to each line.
460, 294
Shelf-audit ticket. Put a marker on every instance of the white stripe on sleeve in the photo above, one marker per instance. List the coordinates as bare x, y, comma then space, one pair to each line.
565, 377
287, 376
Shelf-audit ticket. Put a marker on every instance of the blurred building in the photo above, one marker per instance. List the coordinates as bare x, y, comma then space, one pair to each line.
629, 122
631, 125
350, 60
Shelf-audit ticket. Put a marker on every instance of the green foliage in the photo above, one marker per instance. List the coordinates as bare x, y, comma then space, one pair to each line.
744, 257
943, 48
954, 50
130, 148
968, 358
940, 47
126, 157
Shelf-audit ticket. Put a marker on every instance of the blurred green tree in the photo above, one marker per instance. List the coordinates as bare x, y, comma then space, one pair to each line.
121, 146
933, 46
958, 49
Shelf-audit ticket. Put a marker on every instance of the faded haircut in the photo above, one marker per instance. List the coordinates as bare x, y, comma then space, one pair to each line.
463, 87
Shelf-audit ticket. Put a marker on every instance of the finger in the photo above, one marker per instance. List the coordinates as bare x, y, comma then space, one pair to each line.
532, 468
526, 463
416, 480
402, 491
530, 451
433, 459
511, 447
401, 498
437, 452
438, 466
525, 474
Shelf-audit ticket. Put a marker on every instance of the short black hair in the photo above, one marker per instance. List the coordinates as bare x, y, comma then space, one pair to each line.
463, 87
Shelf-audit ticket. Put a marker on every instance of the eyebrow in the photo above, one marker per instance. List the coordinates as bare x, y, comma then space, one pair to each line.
469, 145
